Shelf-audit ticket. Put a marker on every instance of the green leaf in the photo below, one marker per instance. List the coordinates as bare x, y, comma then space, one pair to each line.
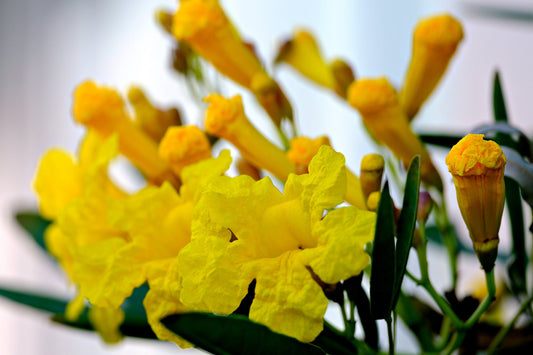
383, 259
37, 301
498, 101
517, 269
441, 140
357, 295
406, 224
34, 224
233, 334
334, 342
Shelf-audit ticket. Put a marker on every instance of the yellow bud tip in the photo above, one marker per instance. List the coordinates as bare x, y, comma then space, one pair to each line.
195, 15
222, 113
372, 162
136, 95
473, 155
164, 18
373, 201
442, 31
370, 96
184, 145
98, 107
303, 149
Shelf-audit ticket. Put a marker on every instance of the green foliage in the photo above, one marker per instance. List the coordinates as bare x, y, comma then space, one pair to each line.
34, 224
234, 335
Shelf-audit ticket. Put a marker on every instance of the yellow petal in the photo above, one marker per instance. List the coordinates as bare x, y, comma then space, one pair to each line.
106, 322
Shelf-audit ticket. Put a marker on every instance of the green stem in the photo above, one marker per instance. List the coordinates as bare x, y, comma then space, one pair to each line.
444, 334
505, 330
390, 335
491, 291
448, 239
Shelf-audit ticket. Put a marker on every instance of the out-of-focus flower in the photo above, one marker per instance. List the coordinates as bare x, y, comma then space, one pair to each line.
302, 53
106, 322
477, 167
102, 109
435, 40
204, 26
377, 102
225, 118
183, 146
301, 152
152, 120
246, 230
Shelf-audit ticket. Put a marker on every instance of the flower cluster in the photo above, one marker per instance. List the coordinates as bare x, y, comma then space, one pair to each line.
200, 239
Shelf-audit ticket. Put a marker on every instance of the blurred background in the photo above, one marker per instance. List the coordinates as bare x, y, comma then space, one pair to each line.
47, 47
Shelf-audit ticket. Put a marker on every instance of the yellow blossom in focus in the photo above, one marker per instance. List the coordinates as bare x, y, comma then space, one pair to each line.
225, 118
301, 152
247, 230
477, 167
435, 40
106, 322
377, 102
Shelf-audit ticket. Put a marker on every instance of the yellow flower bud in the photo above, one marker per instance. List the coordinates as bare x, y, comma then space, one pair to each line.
153, 121
377, 102
184, 145
434, 42
225, 118
102, 109
372, 166
271, 97
477, 167
373, 200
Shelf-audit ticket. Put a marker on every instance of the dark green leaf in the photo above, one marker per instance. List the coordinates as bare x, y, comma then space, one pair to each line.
406, 224
517, 268
34, 224
440, 139
334, 343
233, 334
383, 259
498, 101
357, 295
44, 303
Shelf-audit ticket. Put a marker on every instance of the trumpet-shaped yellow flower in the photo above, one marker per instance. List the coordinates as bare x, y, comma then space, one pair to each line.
377, 102
434, 42
477, 167
247, 230
184, 145
150, 119
102, 109
225, 118
301, 152
303, 54
157, 224
204, 26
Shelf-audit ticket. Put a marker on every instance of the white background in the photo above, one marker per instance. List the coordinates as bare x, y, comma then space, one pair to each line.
49, 46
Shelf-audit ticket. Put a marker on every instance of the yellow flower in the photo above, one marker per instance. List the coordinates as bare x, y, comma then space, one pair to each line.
157, 224
301, 152
150, 119
477, 167
302, 53
434, 42
371, 173
184, 145
106, 322
377, 102
204, 26
225, 118
102, 109
247, 230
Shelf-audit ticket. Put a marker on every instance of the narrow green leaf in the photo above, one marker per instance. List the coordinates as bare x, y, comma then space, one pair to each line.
440, 139
357, 295
517, 269
234, 335
406, 224
34, 224
37, 301
383, 259
498, 101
